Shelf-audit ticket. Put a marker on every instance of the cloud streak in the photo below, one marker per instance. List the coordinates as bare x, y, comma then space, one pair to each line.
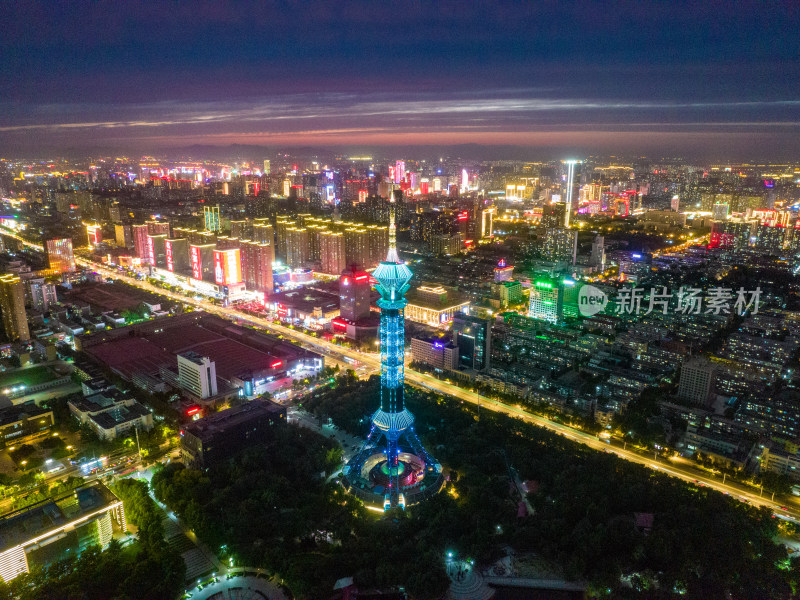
495, 111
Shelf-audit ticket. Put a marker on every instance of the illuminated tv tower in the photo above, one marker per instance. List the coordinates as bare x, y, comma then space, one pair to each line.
570, 181
401, 471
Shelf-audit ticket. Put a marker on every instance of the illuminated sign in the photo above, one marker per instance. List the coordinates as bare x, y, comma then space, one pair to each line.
227, 266
168, 249
151, 250
95, 234
197, 263
276, 364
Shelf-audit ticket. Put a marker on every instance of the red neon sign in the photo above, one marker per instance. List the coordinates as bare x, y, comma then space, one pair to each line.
151, 251
197, 263
276, 364
192, 411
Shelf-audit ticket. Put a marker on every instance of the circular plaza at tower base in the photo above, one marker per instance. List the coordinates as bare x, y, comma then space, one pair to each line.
367, 476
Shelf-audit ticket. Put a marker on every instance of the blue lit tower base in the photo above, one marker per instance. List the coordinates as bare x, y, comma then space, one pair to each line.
392, 468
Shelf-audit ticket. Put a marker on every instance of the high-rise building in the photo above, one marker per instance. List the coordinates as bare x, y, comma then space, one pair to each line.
546, 301
315, 231
241, 229
12, 307
59, 255
42, 295
282, 226
598, 257
263, 232
257, 261
473, 338
211, 218
509, 293
560, 245
486, 221
446, 245
123, 235
157, 250
740, 232
140, 242
94, 235
591, 193
298, 250
177, 255
378, 245
553, 216
696, 380
202, 261
503, 271
158, 228
332, 252
772, 239
227, 266
399, 171
402, 472
267, 167
719, 212
354, 291
198, 374
437, 353
356, 240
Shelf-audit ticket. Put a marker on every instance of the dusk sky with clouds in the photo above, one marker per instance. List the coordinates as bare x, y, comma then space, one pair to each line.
715, 79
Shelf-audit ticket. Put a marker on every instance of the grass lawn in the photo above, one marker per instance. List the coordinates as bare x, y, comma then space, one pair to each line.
28, 377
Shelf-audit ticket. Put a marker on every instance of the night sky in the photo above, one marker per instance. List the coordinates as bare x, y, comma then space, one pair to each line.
714, 79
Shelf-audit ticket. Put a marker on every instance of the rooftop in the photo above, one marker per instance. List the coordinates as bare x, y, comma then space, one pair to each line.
217, 423
307, 300
12, 414
28, 523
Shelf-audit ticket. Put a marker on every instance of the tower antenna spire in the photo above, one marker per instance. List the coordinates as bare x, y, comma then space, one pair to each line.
401, 472
392, 256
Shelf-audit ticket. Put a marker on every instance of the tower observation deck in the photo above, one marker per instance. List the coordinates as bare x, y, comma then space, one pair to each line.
392, 468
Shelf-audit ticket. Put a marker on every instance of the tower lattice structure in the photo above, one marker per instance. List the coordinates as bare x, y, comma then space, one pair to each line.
393, 422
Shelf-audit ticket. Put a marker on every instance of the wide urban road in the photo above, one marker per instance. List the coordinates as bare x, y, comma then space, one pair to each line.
789, 510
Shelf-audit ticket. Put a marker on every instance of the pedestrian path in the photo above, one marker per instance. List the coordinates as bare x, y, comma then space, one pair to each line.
238, 588
197, 562
466, 583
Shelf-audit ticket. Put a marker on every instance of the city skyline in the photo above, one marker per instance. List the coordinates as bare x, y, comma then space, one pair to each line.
479, 300
698, 82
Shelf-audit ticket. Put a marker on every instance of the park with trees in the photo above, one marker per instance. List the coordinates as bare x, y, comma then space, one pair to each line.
276, 506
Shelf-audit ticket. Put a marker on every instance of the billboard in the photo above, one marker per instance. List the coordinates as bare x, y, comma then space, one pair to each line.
197, 263
227, 266
168, 251
151, 250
